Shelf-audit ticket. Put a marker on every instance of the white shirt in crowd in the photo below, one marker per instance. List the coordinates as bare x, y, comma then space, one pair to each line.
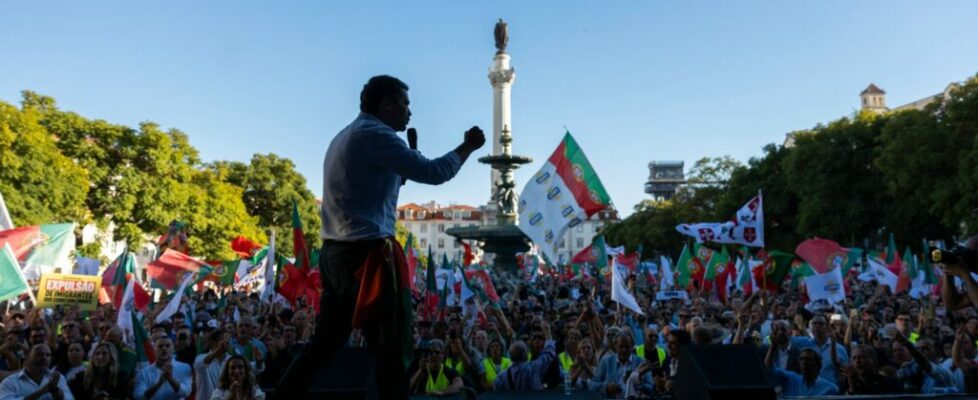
19, 386
150, 374
207, 375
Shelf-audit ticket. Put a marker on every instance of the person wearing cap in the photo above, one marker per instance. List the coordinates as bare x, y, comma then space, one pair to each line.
207, 366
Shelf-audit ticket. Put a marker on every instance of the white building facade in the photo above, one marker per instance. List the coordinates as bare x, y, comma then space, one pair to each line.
428, 222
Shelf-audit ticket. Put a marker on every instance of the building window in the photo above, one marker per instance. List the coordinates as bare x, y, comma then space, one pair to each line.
456, 225
408, 214
441, 243
458, 214
421, 214
455, 244
467, 214
580, 228
424, 243
441, 227
580, 242
563, 243
424, 228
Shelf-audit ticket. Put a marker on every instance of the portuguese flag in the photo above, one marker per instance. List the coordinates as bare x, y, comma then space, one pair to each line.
565, 192
685, 258
299, 279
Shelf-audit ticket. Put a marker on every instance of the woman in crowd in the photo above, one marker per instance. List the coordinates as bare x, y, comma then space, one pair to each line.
494, 364
102, 379
582, 370
237, 382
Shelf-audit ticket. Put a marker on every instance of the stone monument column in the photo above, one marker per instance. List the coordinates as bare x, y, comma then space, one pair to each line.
501, 75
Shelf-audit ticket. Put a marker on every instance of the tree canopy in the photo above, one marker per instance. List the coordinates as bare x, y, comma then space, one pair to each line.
855, 180
58, 166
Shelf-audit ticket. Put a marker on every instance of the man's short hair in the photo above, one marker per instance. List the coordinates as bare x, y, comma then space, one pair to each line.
377, 89
517, 351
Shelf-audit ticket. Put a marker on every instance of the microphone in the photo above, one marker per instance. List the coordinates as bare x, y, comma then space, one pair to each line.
412, 137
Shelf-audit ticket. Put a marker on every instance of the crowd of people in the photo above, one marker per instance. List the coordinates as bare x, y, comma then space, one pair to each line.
552, 334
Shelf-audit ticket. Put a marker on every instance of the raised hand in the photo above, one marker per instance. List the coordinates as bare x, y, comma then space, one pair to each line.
474, 138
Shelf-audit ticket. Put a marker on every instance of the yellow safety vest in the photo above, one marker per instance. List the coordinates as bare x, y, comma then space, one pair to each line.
640, 351
458, 365
566, 362
491, 372
439, 383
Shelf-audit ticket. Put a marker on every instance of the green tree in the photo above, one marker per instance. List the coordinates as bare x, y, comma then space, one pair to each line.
39, 184
831, 172
917, 175
959, 115
269, 184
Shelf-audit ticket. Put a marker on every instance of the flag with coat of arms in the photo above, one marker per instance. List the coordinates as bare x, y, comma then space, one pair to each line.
563, 193
747, 227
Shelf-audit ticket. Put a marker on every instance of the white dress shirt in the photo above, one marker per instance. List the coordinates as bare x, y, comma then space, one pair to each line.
147, 376
19, 385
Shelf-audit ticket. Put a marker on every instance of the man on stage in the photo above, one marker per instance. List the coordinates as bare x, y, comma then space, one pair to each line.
363, 270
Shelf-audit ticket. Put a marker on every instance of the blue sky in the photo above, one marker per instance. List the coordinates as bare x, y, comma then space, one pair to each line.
634, 81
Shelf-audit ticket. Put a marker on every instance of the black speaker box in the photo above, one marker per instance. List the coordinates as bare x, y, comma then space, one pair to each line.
720, 372
349, 376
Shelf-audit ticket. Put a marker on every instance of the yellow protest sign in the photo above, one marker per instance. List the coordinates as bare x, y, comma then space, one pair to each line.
64, 290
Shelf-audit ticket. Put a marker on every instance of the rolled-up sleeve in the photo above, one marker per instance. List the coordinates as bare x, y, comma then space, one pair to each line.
390, 152
597, 382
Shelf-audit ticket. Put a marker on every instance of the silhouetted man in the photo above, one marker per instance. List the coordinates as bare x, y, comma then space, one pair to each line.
365, 166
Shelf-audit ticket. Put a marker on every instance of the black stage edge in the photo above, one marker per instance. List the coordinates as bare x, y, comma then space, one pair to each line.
348, 376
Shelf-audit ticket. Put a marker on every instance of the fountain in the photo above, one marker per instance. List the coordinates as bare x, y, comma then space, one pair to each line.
503, 238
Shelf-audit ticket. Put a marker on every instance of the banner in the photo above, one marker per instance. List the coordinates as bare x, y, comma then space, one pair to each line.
65, 290
746, 228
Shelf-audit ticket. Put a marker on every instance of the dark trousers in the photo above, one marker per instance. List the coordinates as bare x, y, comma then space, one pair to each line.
338, 263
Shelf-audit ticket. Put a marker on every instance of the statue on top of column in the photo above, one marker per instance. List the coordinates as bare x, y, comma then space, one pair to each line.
502, 36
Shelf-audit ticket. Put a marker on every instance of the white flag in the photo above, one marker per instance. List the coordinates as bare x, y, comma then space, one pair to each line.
565, 192
174, 305
878, 271
124, 318
619, 291
828, 286
5, 221
747, 228
268, 291
666, 279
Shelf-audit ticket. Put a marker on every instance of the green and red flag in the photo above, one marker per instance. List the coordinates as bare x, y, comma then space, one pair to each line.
168, 270
926, 267
854, 257
244, 247
799, 271
822, 255
775, 268
117, 276
683, 266
299, 278
412, 260
565, 192
431, 287
908, 271
891, 251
